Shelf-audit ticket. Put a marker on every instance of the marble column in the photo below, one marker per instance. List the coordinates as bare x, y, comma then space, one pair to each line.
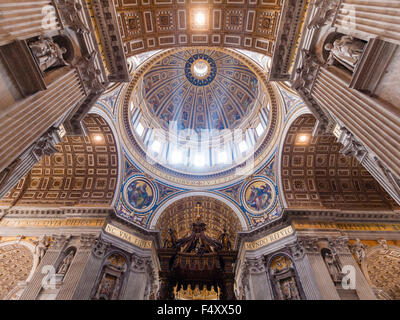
362, 287
138, 278
34, 286
259, 284
76, 268
92, 270
24, 163
304, 271
26, 19
366, 18
322, 277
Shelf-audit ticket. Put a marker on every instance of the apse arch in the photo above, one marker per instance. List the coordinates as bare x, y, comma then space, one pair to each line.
235, 209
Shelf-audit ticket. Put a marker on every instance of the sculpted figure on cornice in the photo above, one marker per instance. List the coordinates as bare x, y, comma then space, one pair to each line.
359, 250
390, 176
326, 10
42, 246
69, 11
303, 83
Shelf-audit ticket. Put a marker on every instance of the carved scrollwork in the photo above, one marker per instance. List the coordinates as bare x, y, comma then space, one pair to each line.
87, 241
100, 248
351, 146
310, 245
45, 145
296, 250
339, 245
59, 241
69, 11
90, 74
139, 264
255, 265
326, 10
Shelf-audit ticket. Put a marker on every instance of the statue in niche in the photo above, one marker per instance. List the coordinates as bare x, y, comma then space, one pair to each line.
64, 266
224, 240
48, 53
289, 289
346, 50
41, 246
333, 265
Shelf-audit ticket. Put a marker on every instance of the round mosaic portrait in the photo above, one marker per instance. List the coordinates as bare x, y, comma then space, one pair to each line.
258, 196
139, 194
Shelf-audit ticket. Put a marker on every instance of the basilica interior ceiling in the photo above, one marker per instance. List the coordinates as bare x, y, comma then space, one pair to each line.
83, 173
316, 175
215, 214
220, 99
232, 94
158, 24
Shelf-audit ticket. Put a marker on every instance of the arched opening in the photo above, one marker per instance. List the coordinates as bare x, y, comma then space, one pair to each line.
198, 235
83, 173
316, 175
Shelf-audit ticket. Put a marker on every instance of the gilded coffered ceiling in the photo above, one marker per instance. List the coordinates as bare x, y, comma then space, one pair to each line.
159, 24
316, 175
83, 173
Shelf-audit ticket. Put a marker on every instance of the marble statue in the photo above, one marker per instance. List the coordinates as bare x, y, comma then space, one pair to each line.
64, 266
358, 249
333, 266
346, 50
41, 246
48, 53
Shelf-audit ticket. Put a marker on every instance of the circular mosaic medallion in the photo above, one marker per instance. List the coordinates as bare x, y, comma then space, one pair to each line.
200, 69
258, 195
139, 194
